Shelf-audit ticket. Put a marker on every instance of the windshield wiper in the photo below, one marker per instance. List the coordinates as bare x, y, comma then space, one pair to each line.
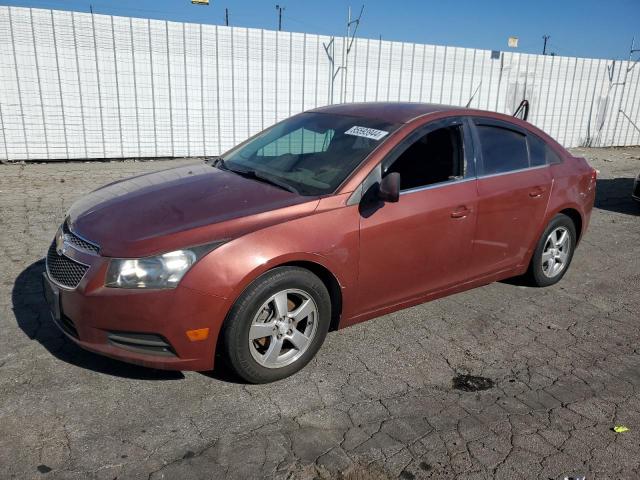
217, 162
263, 177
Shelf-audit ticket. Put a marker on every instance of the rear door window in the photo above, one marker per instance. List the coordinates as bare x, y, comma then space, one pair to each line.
503, 150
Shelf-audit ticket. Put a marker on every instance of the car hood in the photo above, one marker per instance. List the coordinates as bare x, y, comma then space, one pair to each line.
179, 207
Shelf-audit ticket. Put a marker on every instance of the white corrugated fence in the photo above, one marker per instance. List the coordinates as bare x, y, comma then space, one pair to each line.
76, 85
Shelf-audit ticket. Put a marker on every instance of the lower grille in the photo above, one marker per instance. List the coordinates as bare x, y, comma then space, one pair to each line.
64, 271
66, 324
146, 343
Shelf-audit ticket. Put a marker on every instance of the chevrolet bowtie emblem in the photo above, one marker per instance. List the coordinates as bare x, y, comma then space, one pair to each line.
60, 243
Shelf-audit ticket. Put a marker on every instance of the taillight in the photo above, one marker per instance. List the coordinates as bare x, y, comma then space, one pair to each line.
594, 178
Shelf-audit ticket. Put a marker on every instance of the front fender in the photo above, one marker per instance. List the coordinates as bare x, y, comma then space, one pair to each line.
326, 238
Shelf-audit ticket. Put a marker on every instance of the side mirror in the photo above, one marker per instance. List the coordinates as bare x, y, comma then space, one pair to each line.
389, 190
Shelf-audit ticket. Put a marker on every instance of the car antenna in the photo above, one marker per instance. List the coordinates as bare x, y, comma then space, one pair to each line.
474, 94
524, 108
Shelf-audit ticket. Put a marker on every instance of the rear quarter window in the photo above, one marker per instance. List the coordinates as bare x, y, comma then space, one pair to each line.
540, 152
503, 150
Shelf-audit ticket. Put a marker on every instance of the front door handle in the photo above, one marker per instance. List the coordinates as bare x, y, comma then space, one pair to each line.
537, 192
460, 212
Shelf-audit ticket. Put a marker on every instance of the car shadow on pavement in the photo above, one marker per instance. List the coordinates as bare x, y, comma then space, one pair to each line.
614, 195
33, 317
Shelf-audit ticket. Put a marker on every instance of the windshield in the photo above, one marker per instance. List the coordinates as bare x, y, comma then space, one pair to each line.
313, 153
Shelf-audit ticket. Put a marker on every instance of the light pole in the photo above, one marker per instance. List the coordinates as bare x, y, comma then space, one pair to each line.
280, 9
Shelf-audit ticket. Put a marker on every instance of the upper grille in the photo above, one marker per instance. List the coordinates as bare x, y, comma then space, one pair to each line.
77, 241
63, 270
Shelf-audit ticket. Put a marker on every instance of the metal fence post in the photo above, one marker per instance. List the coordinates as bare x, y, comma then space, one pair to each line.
464, 70
15, 63
389, 71
304, 64
413, 59
262, 79
290, 71
473, 75
204, 141
433, 73
64, 118
218, 92
166, 30
444, 68
424, 59
95, 50
4, 135
80, 93
453, 75
233, 88
378, 69
153, 91
35, 55
401, 69
135, 84
186, 87
366, 73
317, 68
633, 102
115, 69
573, 82
275, 88
353, 76
246, 30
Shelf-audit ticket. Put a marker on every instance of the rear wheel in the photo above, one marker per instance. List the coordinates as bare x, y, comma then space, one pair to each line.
277, 325
554, 252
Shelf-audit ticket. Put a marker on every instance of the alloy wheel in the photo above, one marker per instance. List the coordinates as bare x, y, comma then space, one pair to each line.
556, 252
283, 328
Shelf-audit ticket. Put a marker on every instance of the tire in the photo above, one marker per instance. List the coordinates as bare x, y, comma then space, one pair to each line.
557, 258
263, 310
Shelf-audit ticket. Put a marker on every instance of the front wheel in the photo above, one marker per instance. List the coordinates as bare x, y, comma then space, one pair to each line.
554, 252
277, 325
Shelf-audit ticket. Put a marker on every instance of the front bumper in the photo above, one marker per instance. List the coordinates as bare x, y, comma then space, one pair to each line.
97, 318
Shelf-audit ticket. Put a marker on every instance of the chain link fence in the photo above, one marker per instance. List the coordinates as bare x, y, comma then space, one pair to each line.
83, 86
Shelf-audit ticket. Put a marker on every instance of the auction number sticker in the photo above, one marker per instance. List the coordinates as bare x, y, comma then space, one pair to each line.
365, 132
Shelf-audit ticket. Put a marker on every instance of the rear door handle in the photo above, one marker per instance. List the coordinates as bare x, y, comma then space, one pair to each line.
460, 212
537, 192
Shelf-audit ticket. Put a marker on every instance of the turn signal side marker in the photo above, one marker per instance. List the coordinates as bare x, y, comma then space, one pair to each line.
198, 334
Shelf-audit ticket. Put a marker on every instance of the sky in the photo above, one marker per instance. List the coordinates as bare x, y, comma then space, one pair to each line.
583, 28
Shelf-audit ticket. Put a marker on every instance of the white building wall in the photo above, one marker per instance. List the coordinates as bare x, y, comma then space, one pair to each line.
76, 85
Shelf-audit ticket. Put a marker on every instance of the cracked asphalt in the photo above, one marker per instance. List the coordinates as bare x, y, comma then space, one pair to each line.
377, 402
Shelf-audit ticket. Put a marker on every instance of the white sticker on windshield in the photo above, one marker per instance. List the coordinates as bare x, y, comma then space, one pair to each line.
365, 132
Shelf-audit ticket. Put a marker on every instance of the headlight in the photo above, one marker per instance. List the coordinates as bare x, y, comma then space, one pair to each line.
162, 271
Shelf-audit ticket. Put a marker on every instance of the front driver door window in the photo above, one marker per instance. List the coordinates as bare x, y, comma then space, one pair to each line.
420, 244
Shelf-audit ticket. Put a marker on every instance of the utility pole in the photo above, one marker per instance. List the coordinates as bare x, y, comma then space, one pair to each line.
226, 17
280, 9
544, 47
350, 38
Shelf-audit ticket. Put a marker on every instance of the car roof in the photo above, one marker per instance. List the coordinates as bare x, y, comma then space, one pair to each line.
393, 112
405, 112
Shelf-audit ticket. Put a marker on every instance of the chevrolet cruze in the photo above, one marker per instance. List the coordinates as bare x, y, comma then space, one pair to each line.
326, 219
